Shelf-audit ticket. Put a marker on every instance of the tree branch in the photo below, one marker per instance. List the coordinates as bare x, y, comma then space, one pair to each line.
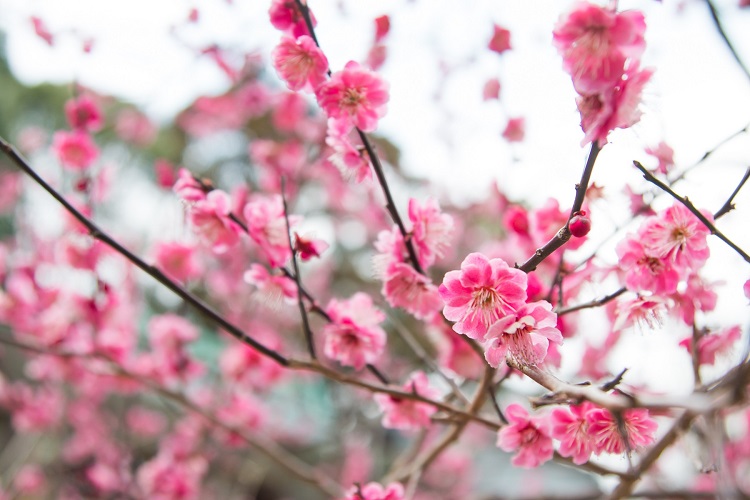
563, 235
152, 271
689, 205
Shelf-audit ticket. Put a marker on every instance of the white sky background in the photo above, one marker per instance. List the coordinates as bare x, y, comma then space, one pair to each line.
697, 98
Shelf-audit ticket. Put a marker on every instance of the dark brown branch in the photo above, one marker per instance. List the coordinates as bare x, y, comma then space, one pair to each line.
297, 280
152, 271
377, 166
593, 303
729, 205
689, 205
563, 235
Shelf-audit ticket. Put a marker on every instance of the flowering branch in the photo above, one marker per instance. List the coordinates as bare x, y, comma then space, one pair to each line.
563, 235
297, 280
689, 205
374, 160
288, 461
152, 271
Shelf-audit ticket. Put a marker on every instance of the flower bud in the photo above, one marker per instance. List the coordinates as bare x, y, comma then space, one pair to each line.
579, 224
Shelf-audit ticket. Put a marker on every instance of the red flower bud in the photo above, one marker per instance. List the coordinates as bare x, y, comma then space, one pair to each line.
579, 224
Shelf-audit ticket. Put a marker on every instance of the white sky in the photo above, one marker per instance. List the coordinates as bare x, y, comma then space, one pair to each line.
697, 98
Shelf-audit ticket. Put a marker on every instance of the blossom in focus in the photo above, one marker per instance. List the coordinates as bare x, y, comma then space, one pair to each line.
408, 414
643, 270
524, 335
355, 96
595, 43
354, 336
300, 63
480, 293
678, 236
528, 436
75, 150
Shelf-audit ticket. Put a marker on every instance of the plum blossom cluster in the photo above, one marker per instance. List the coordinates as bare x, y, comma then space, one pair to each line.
662, 260
487, 300
601, 50
581, 430
404, 285
354, 98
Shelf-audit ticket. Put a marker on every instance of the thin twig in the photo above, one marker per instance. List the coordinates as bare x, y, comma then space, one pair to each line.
689, 205
728, 205
723, 34
594, 303
297, 280
563, 235
377, 166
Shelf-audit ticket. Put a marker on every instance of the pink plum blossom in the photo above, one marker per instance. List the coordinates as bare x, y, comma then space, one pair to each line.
178, 260
134, 127
524, 335
408, 414
515, 130
527, 435
374, 491
307, 247
75, 150
678, 236
431, 230
41, 30
273, 287
643, 270
606, 435
480, 293
211, 219
355, 96
500, 41
286, 17
746, 289
241, 364
664, 154
382, 27
348, 154
491, 89
354, 336
714, 344
300, 63
570, 427
167, 477
83, 114
643, 311
187, 187
267, 226
404, 287
595, 43
615, 107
